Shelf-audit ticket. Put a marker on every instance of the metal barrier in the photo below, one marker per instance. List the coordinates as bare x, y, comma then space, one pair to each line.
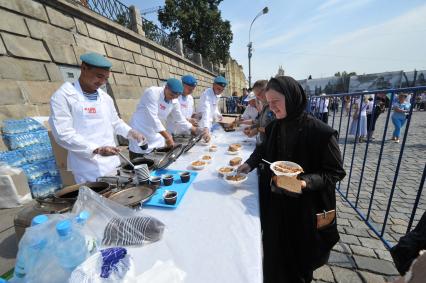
373, 168
111, 9
154, 33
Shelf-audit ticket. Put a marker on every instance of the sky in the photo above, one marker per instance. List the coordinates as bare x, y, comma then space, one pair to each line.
320, 38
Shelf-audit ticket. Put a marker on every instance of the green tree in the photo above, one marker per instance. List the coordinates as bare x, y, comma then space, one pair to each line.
199, 23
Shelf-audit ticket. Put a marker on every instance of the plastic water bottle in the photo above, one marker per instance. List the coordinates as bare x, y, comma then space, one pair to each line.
29, 252
82, 217
71, 248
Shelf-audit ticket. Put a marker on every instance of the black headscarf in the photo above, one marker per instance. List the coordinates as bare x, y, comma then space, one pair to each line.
295, 97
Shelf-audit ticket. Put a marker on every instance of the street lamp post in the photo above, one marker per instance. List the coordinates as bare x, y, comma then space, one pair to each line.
250, 44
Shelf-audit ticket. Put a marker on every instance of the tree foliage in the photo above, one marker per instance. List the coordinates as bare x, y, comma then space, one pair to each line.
200, 25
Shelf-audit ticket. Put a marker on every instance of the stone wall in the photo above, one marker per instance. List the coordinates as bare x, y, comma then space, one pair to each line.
39, 36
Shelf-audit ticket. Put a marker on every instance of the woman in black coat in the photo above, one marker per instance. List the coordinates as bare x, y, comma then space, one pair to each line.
295, 240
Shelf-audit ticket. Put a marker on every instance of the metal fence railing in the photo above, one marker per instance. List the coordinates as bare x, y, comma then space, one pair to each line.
156, 34
385, 178
111, 9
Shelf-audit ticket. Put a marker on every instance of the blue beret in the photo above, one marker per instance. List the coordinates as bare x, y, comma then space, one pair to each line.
189, 80
96, 60
175, 85
220, 81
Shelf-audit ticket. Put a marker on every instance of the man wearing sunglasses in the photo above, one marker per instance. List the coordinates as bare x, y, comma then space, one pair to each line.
157, 107
209, 105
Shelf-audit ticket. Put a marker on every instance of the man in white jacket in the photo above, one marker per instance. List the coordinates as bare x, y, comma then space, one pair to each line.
84, 121
157, 107
186, 102
209, 105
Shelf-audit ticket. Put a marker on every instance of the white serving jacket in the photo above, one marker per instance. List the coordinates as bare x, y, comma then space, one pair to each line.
81, 125
187, 109
209, 108
151, 117
250, 113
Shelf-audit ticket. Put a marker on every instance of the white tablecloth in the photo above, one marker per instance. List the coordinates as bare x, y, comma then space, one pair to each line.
214, 235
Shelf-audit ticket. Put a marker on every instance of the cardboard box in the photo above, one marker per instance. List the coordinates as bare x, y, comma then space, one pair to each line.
59, 152
14, 189
67, 177
21, 183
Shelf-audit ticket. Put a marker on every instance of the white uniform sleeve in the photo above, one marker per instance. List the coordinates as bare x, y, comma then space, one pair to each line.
151, 104
190, 106
61, 123
205, 111
246, 114
120, 127
178, 118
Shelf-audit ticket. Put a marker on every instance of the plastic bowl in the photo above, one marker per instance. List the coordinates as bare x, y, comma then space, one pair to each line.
209, 160
170, 197
224, 174
168, 180
213, 148
233, 152
287, 164
185, 176
199, 166
235, 183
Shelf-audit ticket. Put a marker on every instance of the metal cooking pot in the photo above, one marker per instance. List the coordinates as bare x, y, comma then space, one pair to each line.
127, 168
70, 193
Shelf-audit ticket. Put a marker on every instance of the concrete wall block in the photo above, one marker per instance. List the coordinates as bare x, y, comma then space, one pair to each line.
81, 27
174, 63
151, 73
24, 70
156, 64
43, 109
147, 82
96, 33
129, 80
27, 7
25, 47
167, 60
117, 65
129, 45
118, 53
102, 35
10, 93
148, 52
159, 56
127, 107
135, 69
17, 111
127, 92
39, 30
179, 71
2, 48
39, 92
12, 23
53, 71
90, 44
112, 38
172, 70
163, 74
59, 19
142, 60
61, 53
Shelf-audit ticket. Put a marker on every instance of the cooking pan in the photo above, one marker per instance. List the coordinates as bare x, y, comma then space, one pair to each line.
127, 168
70, 193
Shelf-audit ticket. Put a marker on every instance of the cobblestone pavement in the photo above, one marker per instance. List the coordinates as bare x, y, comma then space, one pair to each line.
360, 256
